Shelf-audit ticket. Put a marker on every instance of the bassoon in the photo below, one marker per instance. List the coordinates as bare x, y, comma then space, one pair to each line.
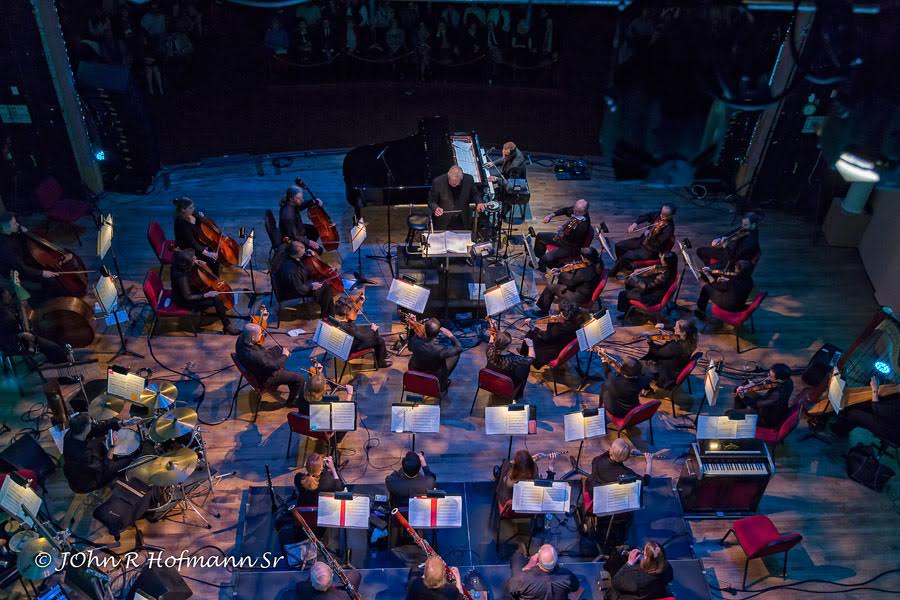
329, 559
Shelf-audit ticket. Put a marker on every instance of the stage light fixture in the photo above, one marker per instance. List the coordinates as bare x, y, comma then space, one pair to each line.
100, 155
882, 367
854, 168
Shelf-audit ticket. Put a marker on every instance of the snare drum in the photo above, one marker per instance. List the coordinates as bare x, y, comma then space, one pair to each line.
492, 207
127, 442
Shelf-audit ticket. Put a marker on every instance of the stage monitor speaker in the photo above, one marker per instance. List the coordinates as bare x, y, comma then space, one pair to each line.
120, 126
26, 453
821, 364
160, 583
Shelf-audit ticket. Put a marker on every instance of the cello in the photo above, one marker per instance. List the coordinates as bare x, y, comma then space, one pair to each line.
328, 233
203, 278
209, 234
51, 257
65, 320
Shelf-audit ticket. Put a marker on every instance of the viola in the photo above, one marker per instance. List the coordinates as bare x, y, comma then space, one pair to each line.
51, 257
209, 234
355, 303
328, 233
414, 324
319, 270
261, 318
205, 281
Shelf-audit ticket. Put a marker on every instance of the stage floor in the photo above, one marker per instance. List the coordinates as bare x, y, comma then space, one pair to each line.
817, 294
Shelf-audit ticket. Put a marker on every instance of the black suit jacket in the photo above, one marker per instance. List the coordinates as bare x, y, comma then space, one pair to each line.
575, 239
549, 343
290, 221
442, 195
12, 257
661, 241
744, 249
633, 583
183, 292
401, 488
621, 394
773, 406
261, 362
606, 470
733, 293
581, 281
292, 279
535, 584
85, 464
653, 285
670, 358
430, 356
305, 589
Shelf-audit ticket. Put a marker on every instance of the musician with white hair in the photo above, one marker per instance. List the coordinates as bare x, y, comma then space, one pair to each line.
450, 200
322, 585
540, 577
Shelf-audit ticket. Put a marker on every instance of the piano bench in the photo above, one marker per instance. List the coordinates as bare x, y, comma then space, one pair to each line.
417, 225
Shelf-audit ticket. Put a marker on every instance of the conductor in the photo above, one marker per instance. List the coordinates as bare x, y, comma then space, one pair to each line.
449, 200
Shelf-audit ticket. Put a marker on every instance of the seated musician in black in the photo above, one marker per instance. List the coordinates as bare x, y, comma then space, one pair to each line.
570, 238
539, 577
363, 337
322, 584
430, 356
320, 476
14, 341
294, 281
430, 582
672, 354
771, 403
646, 574
728, 292
577, 285
512, 165
267, 365
548, 344
413, 478
881, 416
183, 293
607, 468
622, 387
658, 237
523, 467
187, 235
12, 258
650, 287
514, 366
738, 244
454, 191
290, 219
87, 464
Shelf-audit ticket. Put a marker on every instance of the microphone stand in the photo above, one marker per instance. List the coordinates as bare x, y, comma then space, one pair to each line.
389, 256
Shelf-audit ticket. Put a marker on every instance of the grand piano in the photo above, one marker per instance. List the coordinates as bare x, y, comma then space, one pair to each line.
414, 161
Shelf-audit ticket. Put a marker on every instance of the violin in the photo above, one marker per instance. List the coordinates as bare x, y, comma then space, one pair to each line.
492, 328
655, 229
209, 234
730, 237
50, 257
614, 362
261, 319
572, 266
355, 303
568, 228
322, 272
713, 275
414, 324
205, 281
757, 386
548, 320
328, 233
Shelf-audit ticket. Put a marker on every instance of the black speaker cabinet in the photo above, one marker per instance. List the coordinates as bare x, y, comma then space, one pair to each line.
161, 583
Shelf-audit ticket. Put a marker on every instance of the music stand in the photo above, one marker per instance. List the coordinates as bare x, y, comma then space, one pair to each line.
105, 235
581, 425
343, 511
684, 246
107, 297
590, 335
358, 235
413, 416
528, 256
245, 262
389, 256
503, 296
332, 415
620, 497
511, 420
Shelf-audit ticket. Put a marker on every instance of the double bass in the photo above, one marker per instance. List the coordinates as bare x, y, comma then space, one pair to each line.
328, 233
50, 257
66, 320
209, 234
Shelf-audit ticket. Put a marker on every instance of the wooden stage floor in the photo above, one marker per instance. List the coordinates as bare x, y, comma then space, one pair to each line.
817, 294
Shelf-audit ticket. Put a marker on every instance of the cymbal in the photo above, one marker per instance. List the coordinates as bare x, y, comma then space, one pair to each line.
173, 424
168, 469
38, 559
158, 392
106, 406
18, 541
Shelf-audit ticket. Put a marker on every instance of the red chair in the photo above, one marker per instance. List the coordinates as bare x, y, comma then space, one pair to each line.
758, 537
588, 238
565, 355
636, 415
653, 310
59, 209
684, 375
255, 385
355, 356
505, 513
495, 383
637, 264
163, 249
299, 423
416, 382
736, 319
753, 259
597, 291
774, 437
161, 303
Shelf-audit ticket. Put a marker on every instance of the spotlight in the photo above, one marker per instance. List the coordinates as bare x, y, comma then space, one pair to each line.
854, 168
100, 155
883, 368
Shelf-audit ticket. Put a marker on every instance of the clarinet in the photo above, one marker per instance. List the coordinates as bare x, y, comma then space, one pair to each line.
329, 559
271, 490
427, 549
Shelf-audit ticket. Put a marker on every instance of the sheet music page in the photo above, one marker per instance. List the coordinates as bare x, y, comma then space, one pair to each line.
595, 331
574, 426
836, 391
13, 496
128, 385
510, 294
435, 513
409, 296
689, 261
745, 429
425, 418
527, 498
711, 386
495, 420
246, 252
516, 421
529, 248
615, 498
476, 291
556, 498
449, 511
320, 417
343, 416
707, 427
349, 514
333, 339
58, 434
400, 418
603, 242
358, 235
104, 237
595, 426
493, 302
458, 242
107, 294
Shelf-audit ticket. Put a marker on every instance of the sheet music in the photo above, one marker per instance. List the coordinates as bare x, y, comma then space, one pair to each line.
614, 498
476, 291
358, 235
348, 514
419, 418
529, 251
836, 391
13, 496
343, 416
448, 242
711, 385
107, 294
689, 261
246, 252
517, 421
595, 331
464, 156
609, 249
499, 420
104, 237
435, 513
128, 386
333, 339
59, 435
501, 298
320, 416
579, 427
531, 498
723, 428
409, 296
